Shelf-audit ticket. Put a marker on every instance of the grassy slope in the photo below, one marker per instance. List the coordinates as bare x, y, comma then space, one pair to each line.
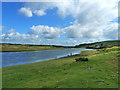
113, 43
101, 71
105, 43
18, 48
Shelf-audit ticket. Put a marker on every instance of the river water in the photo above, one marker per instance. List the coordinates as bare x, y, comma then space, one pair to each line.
17, 58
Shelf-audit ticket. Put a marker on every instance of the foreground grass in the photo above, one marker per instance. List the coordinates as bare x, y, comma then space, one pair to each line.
20, 48
101, 71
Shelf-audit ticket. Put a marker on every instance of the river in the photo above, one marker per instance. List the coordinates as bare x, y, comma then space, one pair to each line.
17, 58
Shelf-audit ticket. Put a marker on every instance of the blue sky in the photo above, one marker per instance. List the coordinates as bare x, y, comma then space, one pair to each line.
12, 18
59, 23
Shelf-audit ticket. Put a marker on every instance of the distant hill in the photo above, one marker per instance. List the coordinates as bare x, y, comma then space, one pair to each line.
103, 44
86, 45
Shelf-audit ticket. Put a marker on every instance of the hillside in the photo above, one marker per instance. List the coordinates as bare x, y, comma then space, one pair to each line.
103, 43
8, 47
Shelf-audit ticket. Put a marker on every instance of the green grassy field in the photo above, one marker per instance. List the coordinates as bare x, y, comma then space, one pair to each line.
101, 71
20, 48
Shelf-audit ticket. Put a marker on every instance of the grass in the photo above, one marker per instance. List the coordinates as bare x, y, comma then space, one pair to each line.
20, 48
101, 71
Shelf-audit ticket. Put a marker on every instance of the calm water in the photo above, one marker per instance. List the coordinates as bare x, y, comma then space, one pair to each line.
16, 58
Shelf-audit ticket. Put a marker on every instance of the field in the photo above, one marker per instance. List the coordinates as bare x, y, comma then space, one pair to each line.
20, 48
101, 71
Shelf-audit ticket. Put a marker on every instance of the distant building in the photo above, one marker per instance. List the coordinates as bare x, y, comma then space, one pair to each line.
97, 47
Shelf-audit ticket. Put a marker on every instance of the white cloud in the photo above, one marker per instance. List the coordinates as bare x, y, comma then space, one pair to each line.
111, 31
39, 12
34, 8
75, 8
26, 11
91, 22
13, 36
48, 35
84, 32
90, 17
96, 32
47, 32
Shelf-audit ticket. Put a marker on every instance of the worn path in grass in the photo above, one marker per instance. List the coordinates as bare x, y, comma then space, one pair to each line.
101, 71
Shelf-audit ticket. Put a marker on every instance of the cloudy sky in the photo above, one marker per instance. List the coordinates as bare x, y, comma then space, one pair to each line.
69, 22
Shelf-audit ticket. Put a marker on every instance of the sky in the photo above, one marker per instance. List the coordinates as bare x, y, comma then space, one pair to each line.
69, 22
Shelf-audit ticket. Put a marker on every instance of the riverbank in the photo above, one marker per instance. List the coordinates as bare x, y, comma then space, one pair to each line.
101, 71
22, 48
